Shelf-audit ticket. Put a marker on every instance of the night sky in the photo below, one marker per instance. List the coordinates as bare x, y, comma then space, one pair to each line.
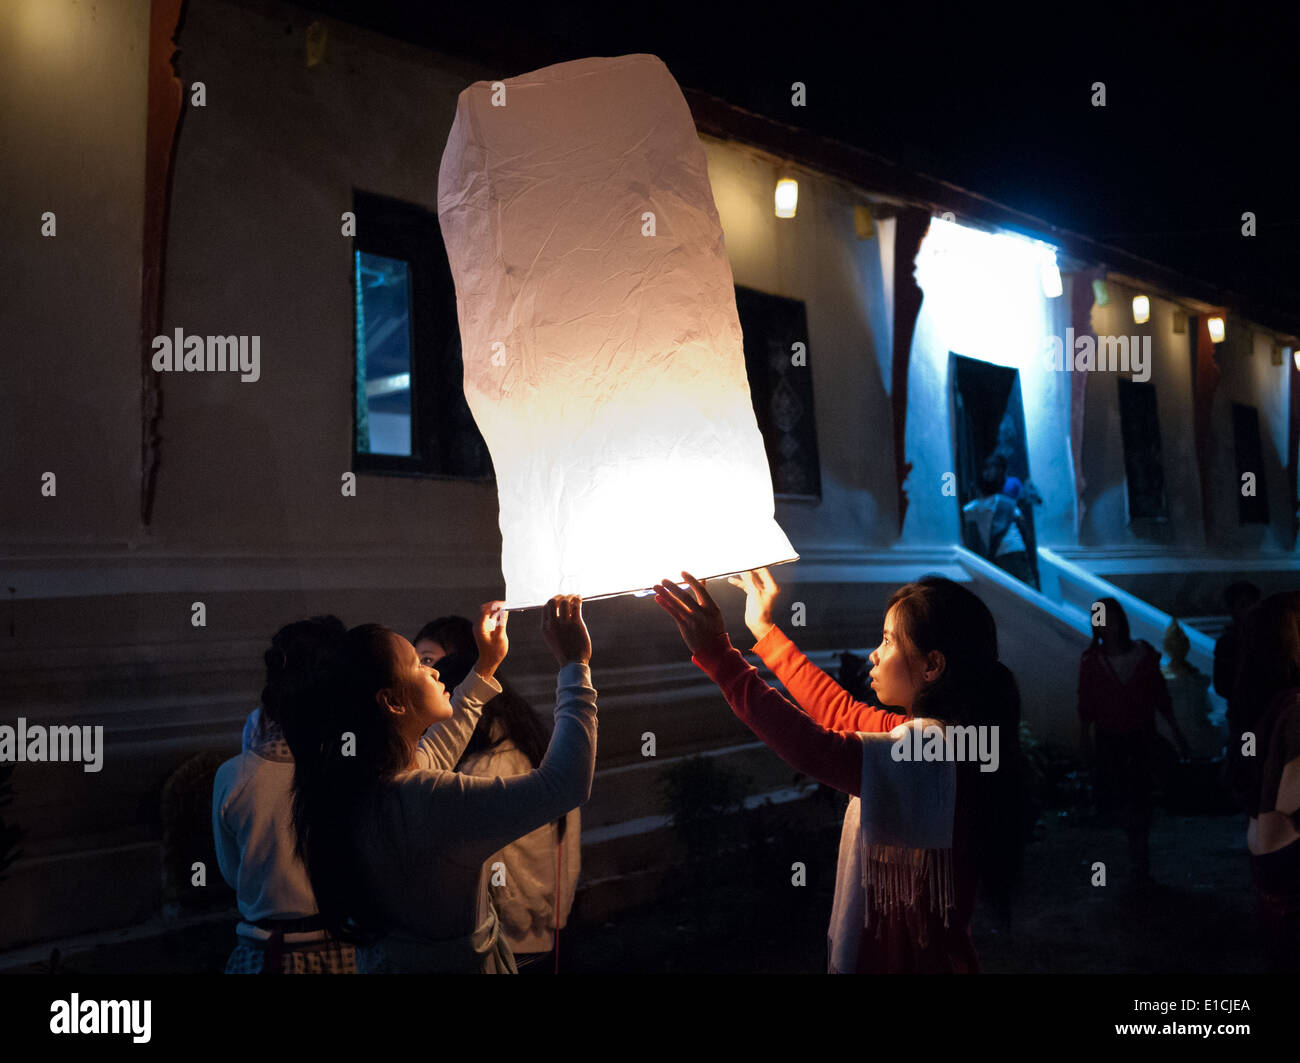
1202, 120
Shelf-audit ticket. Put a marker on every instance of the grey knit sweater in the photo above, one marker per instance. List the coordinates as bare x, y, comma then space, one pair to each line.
424, 838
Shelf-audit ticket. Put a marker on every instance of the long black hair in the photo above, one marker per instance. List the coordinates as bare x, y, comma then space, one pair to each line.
974, 688
518, 721
297, 660
342, 752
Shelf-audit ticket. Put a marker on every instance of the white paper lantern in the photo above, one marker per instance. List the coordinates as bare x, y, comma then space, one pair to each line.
602, 350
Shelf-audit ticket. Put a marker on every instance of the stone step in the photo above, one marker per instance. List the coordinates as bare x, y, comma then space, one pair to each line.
634, 792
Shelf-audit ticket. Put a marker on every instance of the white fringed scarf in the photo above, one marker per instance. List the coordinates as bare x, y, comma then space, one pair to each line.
896, 843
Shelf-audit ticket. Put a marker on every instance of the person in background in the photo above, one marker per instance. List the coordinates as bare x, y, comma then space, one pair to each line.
510, 740
993, 526
281, 931
1121, 690
1021, 493
443, 637
531, 882
1239, 597
1025, 495
1267, 696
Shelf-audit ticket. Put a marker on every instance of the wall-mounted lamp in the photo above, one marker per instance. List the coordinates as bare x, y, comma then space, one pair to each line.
1141, 309
787, 197
1100, 293
862, 222
1215, 325
1295, 352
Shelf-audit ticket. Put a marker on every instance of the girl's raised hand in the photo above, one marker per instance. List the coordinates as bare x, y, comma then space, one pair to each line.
564, 630
760, 596
490, 636
697, 615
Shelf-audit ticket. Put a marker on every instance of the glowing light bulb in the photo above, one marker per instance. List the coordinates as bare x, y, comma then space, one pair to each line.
1141, 309
1215, 325
787, 197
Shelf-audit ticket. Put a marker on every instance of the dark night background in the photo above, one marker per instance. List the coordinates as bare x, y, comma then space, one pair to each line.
1200, 122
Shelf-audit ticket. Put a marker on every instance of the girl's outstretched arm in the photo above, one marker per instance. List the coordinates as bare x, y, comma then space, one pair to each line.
834, 759
817, 693
465, 818
829, 757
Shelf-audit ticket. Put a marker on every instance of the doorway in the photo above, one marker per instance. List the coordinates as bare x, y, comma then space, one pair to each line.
989, 445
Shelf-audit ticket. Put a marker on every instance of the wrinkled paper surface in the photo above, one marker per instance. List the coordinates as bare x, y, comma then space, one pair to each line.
604, 367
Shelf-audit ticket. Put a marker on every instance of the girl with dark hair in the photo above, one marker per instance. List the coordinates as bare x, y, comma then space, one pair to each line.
393, 839
918, 833
443, 637
1266, 700
252, 818
1121, 688
532, 881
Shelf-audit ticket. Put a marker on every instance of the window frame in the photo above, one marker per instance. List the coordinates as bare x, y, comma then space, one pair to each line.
410, 233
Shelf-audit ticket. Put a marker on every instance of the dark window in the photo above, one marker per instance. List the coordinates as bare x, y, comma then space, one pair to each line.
780, 390
1251, 508
409, 413
1144, 471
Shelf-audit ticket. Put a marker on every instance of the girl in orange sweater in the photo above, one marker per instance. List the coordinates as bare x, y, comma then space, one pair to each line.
915, 839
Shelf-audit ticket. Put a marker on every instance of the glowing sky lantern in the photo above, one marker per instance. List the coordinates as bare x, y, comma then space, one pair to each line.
603, 355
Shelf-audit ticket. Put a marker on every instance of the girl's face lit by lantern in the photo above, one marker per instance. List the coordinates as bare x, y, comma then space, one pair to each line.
417, 689
897, 675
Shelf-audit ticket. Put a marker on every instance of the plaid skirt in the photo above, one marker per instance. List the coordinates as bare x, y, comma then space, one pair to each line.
324, 957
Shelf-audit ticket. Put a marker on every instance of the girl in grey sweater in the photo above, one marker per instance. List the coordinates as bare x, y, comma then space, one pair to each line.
394, 840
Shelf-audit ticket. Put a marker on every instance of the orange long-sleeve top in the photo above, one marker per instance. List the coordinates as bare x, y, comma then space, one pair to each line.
818, 737
817, 693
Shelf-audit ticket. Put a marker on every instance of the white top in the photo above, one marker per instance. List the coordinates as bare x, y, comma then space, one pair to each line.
981, 511
524, 888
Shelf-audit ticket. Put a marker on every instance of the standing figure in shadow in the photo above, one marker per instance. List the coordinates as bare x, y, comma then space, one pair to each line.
1121, 690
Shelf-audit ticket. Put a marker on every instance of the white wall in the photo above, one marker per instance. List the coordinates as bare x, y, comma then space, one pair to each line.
1250, 378
817, 257
1247, 376
1105, 520
983, 299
